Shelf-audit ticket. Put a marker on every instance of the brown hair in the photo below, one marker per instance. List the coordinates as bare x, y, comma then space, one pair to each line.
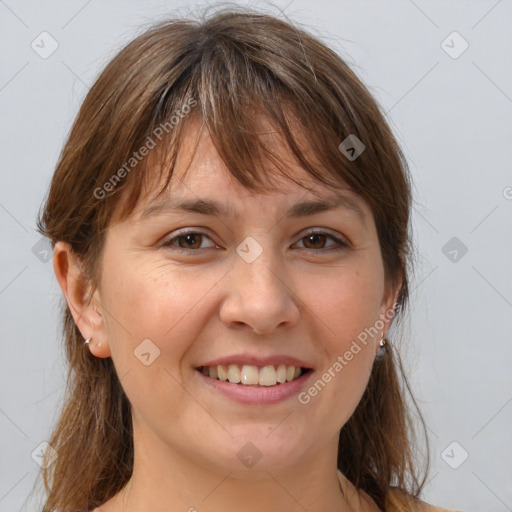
224, 66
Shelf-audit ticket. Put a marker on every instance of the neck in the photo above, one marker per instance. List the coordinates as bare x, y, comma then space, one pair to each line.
270, 493
162, 479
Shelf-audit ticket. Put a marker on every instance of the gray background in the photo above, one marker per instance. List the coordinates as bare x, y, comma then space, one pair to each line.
453, 119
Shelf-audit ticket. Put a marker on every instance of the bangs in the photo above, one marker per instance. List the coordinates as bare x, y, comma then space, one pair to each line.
240, 96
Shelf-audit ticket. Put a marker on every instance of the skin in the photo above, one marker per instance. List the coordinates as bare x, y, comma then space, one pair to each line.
296, 298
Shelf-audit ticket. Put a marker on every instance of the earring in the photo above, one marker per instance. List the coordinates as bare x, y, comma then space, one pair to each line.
382, 349
87, 341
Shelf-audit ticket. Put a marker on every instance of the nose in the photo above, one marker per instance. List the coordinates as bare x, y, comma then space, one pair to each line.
259, 296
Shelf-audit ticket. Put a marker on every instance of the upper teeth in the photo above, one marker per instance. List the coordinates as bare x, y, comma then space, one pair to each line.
247, 374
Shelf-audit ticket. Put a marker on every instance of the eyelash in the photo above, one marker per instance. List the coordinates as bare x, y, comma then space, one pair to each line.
340, 245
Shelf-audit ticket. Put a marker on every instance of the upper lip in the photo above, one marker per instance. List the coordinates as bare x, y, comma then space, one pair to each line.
250, 359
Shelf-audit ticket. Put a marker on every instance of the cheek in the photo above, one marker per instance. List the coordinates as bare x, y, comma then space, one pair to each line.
345, 307
147, 299
347, 303
150, 301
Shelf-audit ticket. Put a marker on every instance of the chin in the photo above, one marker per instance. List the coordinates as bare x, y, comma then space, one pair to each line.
265, 447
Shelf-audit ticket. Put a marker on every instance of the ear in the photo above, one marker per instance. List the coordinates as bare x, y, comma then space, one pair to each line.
389, 304
86, 310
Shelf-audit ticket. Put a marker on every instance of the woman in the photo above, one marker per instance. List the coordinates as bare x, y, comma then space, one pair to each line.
253, 372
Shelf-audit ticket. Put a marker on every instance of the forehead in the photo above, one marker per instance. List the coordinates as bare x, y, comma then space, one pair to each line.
199, 172
198, 151
198, 161
200, 167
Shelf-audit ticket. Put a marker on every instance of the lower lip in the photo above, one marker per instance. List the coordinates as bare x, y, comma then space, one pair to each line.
257, 395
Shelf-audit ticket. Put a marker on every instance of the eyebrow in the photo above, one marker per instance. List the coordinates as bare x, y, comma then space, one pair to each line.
216, 208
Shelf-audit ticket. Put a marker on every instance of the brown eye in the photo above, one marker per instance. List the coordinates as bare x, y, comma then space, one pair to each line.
316, 242
190, 241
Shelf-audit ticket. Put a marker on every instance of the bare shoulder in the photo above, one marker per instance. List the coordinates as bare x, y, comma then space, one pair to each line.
425, 507
111, 505
106, 507
400, 502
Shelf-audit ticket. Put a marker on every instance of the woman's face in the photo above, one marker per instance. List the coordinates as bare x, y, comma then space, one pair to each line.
181, 290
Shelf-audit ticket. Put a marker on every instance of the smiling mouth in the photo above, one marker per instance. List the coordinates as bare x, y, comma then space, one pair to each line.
249, 375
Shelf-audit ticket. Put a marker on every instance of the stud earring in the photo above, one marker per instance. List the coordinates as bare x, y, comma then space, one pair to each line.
382, 350
87, 341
